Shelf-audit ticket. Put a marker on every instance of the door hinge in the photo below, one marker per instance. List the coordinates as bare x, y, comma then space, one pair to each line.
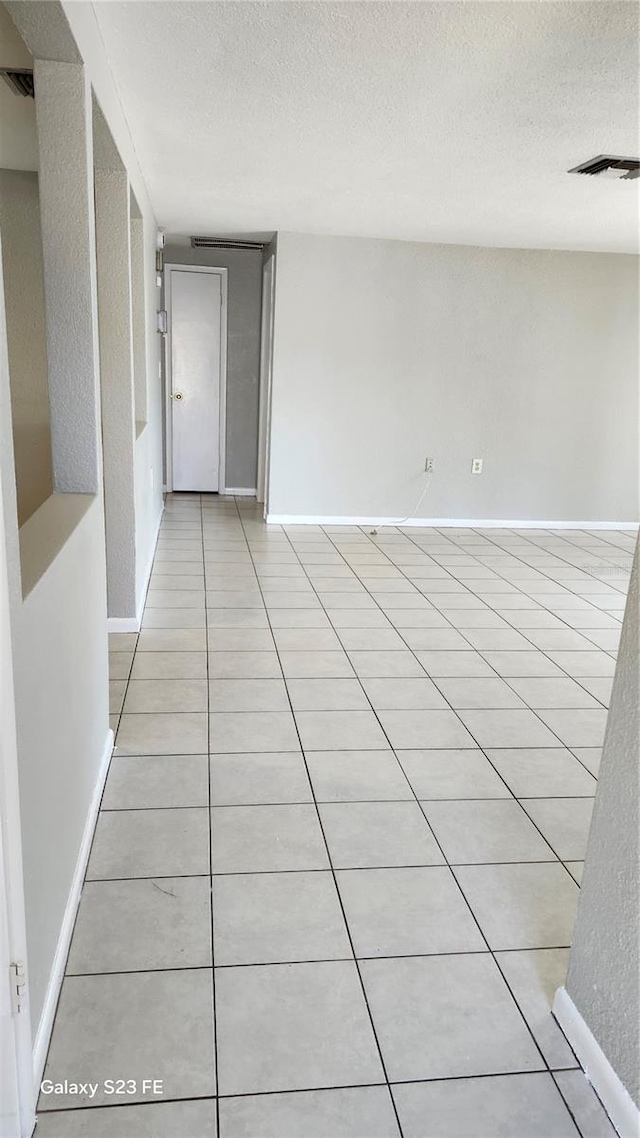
161, 321
18, 986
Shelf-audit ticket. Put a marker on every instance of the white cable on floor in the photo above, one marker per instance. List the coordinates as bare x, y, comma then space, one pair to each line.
373, 532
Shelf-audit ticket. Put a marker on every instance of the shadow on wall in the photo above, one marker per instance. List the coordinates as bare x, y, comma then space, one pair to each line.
26, 338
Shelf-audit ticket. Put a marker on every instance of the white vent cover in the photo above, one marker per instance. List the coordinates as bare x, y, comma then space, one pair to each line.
222, 243
609, 166
20, 80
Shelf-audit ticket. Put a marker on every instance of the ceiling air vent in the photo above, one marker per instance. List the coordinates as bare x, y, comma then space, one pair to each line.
19, 79
221, 243
609, 166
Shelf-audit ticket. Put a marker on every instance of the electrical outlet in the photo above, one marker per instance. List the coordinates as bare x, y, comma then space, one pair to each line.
429, 465
476, 465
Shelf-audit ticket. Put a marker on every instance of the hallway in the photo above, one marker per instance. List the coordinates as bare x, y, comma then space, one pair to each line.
380, 751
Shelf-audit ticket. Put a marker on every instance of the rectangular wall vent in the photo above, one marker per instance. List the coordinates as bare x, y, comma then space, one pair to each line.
609, 166
20, 80
222, 243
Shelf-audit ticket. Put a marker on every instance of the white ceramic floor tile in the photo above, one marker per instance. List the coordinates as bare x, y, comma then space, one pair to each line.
486, 831
252, 731
260, 839
196, 1118
302, 631
349, 1112
293, 1026
521, 906
246, 779
534, 977
564, 822
272, 918
159, 1022
407, 912
357, 776
133, 926
542, 772
528, 1106
431, 1015
378, 834
149, 843
584, 1104
452, 774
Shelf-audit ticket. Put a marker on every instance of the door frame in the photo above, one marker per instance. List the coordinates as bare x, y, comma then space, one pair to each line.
266, 373
222, 414
18, 1091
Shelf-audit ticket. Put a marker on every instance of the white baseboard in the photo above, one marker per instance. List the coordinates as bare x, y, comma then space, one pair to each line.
123, 624
240, 492
134, 623
613, 1095
143, 592
43, 1034
437, 523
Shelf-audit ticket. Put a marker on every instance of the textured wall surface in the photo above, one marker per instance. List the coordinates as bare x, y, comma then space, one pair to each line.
116, 388
243, 352
138, 317
425, 122
26, 336
149, 440
63, 114
604, 968
388, 352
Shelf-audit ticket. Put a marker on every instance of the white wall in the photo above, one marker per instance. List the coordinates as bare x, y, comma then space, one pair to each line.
148, 460
149, 442
604, 967
112, 198
61, 682
388, 352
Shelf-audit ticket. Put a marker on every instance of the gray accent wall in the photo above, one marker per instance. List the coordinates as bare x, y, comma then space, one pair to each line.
243, 351
604, 968
389, 352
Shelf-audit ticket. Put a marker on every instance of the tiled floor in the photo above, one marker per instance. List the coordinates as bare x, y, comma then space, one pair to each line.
383, 749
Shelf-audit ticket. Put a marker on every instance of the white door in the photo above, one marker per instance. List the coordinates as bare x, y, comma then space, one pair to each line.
196, 362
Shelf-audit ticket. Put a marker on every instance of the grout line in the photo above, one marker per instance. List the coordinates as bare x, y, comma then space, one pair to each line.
321, 959
323, 869
511, 797
210, 853
313, 1090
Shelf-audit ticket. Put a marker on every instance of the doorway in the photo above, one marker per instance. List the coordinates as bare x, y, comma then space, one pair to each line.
196, 301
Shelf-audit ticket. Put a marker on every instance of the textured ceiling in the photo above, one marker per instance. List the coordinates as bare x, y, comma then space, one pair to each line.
449, 121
